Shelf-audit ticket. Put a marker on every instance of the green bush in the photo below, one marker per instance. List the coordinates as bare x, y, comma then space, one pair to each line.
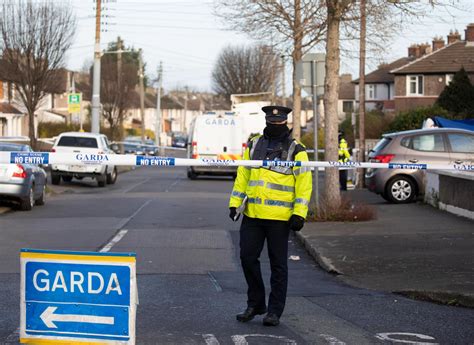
308, 140
413, 119
458, 96
376, 123
52, 129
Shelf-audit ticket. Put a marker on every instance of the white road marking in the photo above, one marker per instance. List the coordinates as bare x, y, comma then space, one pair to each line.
14, 337
129, 189
114, 241
122, 232
242, 339
332, 340
388, 336
210, 339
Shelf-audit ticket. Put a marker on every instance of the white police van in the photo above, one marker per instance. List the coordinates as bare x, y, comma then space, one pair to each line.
87, 147
215, 136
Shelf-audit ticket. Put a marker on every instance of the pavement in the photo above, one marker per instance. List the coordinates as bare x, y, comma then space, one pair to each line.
412, 249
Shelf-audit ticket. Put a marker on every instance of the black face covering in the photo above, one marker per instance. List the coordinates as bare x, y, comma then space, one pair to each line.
275, 131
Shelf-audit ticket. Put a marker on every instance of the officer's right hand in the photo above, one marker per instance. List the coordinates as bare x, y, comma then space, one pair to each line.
233, 214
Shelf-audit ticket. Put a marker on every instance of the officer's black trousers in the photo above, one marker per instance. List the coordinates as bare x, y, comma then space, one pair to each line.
253, 233
343, 179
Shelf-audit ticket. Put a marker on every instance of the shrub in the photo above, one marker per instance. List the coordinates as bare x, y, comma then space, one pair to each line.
308, 140
413, 119
458, 96
376, 123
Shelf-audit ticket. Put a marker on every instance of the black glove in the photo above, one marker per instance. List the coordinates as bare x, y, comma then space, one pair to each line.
296, 223
233, 213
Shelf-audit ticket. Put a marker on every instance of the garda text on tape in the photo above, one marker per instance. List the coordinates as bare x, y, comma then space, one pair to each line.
77, 297
132, 160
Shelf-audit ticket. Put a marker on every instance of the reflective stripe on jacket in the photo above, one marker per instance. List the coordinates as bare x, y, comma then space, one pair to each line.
344, 154
274, 192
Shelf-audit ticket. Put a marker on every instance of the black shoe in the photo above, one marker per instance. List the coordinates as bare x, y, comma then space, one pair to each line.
250, 313
271, 319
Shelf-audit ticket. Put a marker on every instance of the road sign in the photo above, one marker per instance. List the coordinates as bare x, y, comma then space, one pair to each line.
74, 101
303, 72
77, 297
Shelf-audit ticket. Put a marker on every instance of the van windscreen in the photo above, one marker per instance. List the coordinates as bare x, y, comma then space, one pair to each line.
78, 142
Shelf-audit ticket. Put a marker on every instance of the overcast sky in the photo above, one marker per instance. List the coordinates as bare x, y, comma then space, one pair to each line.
188, 38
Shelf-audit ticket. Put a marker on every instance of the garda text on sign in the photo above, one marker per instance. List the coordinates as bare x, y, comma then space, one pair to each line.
77, 296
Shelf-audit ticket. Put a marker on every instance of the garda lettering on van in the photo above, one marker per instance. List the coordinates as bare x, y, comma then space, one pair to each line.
29, 158
465, 167
220, 122
92, 158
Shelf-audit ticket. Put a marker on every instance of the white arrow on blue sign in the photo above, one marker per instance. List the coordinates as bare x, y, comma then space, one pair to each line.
80, 296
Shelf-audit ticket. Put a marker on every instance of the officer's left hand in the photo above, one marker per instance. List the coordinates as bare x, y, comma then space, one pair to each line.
296, 223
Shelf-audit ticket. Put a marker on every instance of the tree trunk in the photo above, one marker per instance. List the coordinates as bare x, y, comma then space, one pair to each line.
31, 129
297, 55
363, 29
331, 186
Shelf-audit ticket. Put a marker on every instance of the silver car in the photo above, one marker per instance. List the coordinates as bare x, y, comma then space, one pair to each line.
432, 146
23, 183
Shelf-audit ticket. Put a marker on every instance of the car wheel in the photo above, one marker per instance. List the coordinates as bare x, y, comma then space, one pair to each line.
101, 180
55, 179
112, 177
400, 190
67, 178
192, 175
41, 200
27, 203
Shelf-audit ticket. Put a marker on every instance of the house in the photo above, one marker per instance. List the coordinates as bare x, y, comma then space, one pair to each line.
420, 82
380, 85
347, 97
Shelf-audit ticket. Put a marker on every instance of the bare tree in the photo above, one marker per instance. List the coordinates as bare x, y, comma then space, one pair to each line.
294, 26
119, 78
244, 69
34, 39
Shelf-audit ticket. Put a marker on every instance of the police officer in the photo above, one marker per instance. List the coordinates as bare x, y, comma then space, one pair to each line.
344, 157
275, 200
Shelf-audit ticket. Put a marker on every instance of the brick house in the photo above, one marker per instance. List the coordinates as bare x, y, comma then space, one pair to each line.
380, 86
420, 82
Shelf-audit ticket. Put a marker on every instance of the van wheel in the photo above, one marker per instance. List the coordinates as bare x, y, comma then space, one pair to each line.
112, 177
192, 175
102, 180
55, 179
400, 190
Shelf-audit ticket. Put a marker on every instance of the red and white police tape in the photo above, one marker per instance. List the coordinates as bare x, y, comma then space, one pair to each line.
133, 160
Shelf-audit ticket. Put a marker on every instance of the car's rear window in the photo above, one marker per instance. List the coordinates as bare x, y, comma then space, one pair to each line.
78, 142
381, 144
10, 147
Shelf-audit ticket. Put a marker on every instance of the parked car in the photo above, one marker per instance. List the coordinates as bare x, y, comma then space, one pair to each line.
179, 140
423, 146
22, 183
84, 144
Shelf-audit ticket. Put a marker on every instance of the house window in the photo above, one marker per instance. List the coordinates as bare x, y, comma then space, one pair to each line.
449, 78
347, 106
372, 91
415, 85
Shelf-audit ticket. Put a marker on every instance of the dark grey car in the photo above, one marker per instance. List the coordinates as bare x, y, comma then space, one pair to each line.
23, 183
432, 146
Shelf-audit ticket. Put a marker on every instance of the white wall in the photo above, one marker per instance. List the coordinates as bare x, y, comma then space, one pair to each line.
382, 92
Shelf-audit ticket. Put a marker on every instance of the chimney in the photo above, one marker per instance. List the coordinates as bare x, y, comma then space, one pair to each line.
454, 37
425, 48
438, 43
413, 51
470, 34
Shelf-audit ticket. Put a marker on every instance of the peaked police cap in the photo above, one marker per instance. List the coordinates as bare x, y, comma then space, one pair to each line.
276, 113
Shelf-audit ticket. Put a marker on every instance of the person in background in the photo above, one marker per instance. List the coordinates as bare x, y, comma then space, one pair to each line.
344, 157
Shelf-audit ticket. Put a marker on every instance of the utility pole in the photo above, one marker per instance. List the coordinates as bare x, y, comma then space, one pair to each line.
363, 33
142, 93
158, 107
283, 82
119, 82
183, 118
95, 125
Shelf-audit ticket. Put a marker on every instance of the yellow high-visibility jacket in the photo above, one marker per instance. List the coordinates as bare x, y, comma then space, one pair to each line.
344, 154
273, 193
